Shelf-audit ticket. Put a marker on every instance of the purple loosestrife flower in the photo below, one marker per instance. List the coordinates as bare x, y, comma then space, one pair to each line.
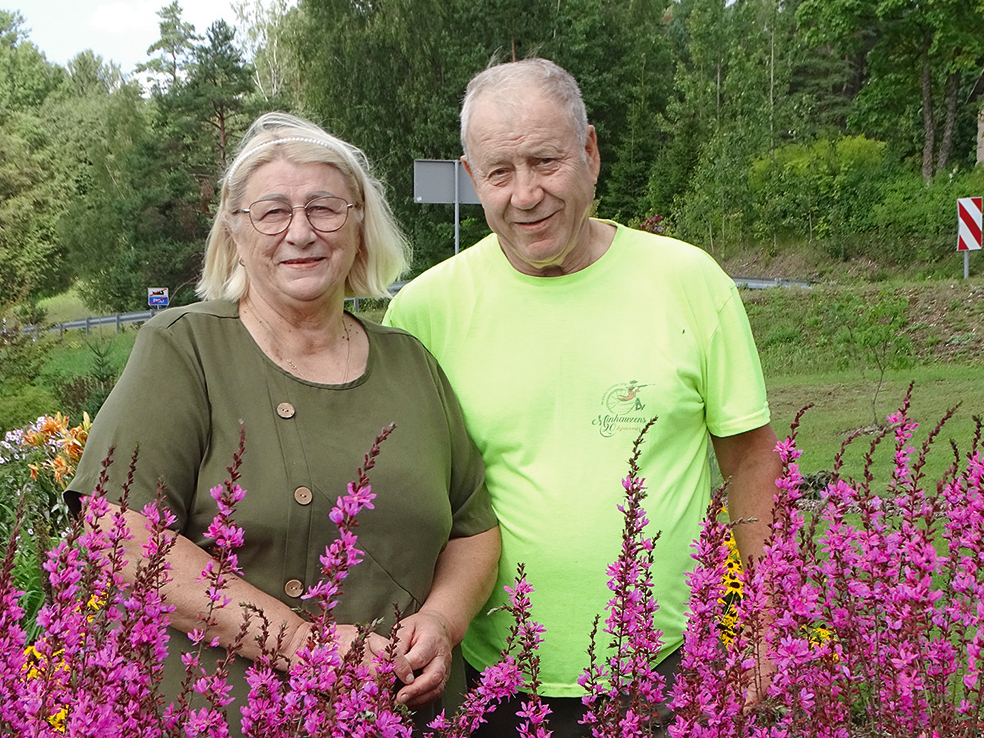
326, 692
528, 636
964, 534
504, 679
870, 621
13, 659
97, 669
88, 676
877, 625
797, 595
211, 719
705, 702
624, 691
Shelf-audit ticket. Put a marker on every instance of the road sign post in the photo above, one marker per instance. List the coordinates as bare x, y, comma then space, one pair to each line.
442, 181
969, 228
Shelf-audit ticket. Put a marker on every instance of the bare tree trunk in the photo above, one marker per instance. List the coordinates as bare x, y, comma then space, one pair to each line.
980, 135
772, 90
950, 124
223, 141
929, 122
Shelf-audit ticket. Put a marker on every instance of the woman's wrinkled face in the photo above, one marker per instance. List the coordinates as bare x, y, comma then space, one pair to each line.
300, 266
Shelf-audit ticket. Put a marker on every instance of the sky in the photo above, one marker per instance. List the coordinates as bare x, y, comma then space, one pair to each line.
117, 30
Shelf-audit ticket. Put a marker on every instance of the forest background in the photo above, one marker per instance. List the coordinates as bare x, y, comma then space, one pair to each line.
839, 130
823, 140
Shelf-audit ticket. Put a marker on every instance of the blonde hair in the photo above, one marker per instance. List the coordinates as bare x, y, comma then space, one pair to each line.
383, 253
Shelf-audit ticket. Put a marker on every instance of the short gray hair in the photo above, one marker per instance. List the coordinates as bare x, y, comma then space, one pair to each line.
553, 80
383, 253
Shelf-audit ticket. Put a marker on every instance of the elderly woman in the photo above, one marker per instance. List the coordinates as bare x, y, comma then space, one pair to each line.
302, 225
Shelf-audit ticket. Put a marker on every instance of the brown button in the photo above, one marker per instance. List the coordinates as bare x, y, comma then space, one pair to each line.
303, 496
285, 410
294, 588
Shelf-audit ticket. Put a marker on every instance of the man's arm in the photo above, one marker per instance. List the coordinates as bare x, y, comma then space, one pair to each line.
750, 465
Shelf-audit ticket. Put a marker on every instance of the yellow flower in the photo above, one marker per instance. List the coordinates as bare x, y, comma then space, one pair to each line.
37, 663
57, 721
33, 659
35, 667
732, 592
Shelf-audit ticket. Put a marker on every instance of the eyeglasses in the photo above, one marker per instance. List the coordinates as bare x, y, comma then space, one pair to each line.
325, 214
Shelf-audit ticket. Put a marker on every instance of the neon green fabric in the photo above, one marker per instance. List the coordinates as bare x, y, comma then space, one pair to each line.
556, 376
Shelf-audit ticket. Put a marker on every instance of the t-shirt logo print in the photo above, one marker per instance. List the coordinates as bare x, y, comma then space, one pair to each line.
624, 409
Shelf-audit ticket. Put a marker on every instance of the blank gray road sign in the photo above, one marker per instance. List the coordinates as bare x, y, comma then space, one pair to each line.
433, 182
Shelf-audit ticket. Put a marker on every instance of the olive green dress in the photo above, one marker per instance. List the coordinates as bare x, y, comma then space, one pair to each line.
196, 376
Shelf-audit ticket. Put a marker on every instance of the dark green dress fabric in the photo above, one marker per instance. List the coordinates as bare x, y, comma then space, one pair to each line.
196, 376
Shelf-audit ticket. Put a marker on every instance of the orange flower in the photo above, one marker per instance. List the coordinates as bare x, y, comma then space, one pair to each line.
33, 438
61, 468
70, 442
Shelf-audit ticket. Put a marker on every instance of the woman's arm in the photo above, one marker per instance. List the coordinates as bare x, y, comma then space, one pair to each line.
463, 580
188, 596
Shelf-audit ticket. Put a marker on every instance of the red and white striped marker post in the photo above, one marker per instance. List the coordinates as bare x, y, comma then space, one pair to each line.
969, 228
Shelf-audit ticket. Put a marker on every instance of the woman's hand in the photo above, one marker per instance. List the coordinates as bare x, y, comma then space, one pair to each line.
426, 637
463, 579
375, 645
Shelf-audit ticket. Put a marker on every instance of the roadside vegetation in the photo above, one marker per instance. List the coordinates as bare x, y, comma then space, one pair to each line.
936, 340
797, 153
758, 128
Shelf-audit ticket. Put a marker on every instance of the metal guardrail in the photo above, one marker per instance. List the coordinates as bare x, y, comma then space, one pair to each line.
762, 283
120, 319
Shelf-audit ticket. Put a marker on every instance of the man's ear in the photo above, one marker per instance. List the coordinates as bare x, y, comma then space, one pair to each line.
468, 169
591, 154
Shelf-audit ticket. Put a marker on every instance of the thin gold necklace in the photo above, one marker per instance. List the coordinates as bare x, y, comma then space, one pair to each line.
280, 354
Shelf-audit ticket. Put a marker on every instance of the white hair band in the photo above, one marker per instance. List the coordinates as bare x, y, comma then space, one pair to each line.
263, 145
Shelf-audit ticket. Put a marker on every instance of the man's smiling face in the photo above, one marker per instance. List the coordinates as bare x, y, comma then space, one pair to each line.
535, 179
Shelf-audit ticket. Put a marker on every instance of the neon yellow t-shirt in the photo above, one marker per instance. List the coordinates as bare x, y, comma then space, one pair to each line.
555, 377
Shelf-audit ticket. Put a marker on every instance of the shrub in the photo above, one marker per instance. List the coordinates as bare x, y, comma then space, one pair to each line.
820, 191
21, 359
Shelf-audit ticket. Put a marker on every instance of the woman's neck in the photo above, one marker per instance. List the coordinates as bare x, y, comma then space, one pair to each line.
322, 345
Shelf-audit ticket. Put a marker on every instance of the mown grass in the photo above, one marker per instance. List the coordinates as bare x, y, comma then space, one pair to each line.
841, 406
74, 354
802, 367
64, 307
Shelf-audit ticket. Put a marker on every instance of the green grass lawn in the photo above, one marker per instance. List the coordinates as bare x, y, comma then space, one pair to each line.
842, 404
74, 354
66, 306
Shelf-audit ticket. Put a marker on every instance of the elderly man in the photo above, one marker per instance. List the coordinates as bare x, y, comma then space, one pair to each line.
562, 336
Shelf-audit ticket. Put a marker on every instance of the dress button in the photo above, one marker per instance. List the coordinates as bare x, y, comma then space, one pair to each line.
294, 588
303, 496
285, 410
